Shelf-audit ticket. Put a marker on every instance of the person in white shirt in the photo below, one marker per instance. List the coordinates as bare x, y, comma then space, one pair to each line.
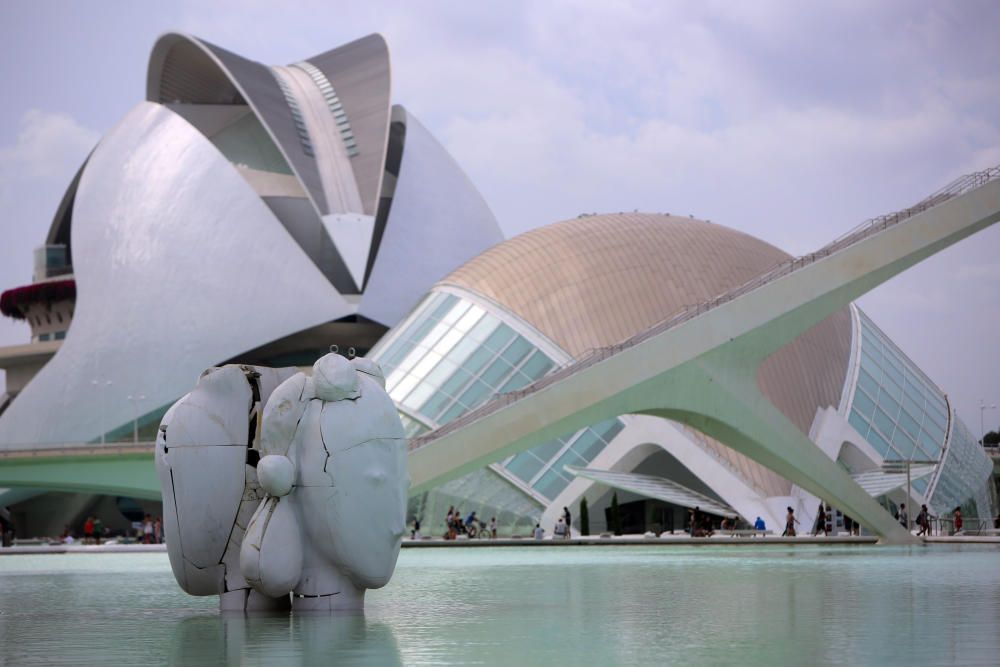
539, 532
560, 530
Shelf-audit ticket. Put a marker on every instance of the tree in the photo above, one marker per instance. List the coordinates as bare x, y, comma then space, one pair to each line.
584, 518
616, 515
991, 439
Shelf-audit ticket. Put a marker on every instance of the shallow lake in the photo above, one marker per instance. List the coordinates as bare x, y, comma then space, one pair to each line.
610, 605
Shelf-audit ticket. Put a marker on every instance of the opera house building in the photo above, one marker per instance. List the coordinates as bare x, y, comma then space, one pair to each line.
252, 214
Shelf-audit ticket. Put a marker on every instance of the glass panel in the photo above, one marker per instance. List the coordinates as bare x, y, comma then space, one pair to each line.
446, 303
859, 423
441, 373
547, 450
418, 396
517, 350
516, 381
888, 404
609, 430
469, 319
929, 443
883, 422
434, 406
878, 442
477, 360
524, 466
909, 423
903, 444
863, 404
587, 446
868, 383
891, 388
452, 316
914, 405
499, 338
485, 328
475, 394
551, 484
920, 485
454, 411
537, 366
498, 370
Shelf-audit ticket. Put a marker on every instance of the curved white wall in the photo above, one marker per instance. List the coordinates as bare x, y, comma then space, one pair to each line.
179, 266
438, 221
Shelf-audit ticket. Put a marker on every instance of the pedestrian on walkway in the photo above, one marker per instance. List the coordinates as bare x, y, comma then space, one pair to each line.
790, 522
903, 517
821, 522
923, 521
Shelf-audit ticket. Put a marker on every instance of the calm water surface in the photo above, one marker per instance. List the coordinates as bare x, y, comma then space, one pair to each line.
534, 606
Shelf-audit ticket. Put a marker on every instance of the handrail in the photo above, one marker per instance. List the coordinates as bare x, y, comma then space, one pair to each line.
866, 229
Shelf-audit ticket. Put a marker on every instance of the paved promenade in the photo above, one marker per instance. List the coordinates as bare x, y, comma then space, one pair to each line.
625, 540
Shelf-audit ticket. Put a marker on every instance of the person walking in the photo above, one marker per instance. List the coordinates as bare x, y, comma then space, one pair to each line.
569, 521
923, 521
98, 530
415, 533
903, 517
493, 528
958, 520
88, 530
821, 522
790, 522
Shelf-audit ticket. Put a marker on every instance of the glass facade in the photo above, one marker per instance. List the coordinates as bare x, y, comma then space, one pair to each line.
900, 412
903, 415
451, 356
963, 480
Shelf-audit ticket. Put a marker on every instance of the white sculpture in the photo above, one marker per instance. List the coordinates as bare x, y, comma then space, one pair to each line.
307, 496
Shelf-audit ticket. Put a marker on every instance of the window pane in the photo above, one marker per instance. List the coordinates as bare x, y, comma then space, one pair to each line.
883, 422
524, 466
517, 350
550, 484
537, 366
859, 423
888, 405
868, 382
863, 404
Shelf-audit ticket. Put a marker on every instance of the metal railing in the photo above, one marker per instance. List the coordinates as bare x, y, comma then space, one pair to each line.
971, 526
868, 228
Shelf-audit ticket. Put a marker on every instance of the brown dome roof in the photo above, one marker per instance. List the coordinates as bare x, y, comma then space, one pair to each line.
596, 280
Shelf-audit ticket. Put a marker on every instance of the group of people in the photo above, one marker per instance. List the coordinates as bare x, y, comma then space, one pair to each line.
455, 525
148, 531
699, 523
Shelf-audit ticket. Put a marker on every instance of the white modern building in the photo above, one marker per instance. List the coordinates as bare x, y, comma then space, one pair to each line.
542, 299
252, 214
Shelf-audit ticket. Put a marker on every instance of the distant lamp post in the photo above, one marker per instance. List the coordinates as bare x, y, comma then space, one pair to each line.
98, 385
134, 400
982, 429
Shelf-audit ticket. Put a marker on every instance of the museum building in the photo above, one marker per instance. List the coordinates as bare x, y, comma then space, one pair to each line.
258, 215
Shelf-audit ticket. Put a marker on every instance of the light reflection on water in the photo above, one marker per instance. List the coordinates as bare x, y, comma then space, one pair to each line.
534, 606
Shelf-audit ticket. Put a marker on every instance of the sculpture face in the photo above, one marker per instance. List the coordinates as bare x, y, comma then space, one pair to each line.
351, 461
327, 494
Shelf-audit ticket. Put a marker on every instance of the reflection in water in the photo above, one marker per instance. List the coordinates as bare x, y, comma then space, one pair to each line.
747, 605
282, 639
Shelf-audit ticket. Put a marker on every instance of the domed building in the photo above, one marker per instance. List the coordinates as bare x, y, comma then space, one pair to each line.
538, 301
253, 214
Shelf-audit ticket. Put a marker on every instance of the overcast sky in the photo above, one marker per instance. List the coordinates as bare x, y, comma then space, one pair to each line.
790, 121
